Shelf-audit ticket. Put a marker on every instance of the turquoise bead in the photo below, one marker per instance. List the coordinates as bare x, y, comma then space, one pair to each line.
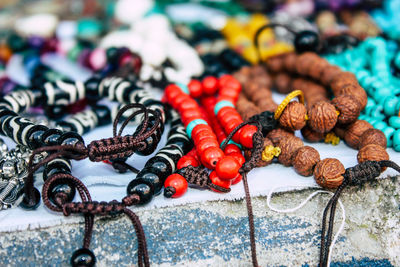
380, 125
394, 121
389, 106
221, 104
89, 28
184, 88
231, 142
396, 141
193, 124
389, 131
377, 113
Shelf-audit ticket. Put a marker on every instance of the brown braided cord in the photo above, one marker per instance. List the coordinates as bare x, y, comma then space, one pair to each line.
358, 175
256, 152
91, 208
199, 176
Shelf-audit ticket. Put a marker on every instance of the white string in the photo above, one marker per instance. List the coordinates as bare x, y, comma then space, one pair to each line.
269, 196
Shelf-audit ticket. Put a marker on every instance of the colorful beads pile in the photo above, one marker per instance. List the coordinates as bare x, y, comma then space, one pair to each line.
207, 70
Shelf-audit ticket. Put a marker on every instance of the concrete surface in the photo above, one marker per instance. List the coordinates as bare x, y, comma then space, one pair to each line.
216, 234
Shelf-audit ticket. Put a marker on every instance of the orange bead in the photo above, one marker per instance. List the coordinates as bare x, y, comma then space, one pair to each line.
211, 156
210, 85
195, 88
5, 53
246, 135
218, 181
178, 182
227, 168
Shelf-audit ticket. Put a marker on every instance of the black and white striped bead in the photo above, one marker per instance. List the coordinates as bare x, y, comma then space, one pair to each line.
63, 93
19, 101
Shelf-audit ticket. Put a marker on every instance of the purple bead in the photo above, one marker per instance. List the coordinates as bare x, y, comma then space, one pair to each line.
36, 42
6, 85
83, 57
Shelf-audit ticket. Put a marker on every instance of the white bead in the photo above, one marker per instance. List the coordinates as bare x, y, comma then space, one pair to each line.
122, 38
128, 11
66, 29
153, 54
43, 25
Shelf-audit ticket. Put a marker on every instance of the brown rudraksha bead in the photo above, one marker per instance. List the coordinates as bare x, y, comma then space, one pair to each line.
322, 117
288, 148
311, 135
328, 173
372, 152
294, 116
349, 108
277, 134
354, 131
305, 160
373, 136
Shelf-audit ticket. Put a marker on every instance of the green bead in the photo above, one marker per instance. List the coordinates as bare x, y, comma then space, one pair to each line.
394, 121
396, 141
74, 53
389, 131
89, 28
389, 106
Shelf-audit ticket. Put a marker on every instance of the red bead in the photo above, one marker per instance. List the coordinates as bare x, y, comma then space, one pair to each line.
178, 182
195, 88
231, 125
200, 128
172, 91
204, 144
189, 115
176, 102
223, 112
218, 181
210, 85
188, 104
227, 168
211, 156
224, 79
204, 135
238, 156
230, 94
246, 135
230, 148
237, 179
186, 161
232, 85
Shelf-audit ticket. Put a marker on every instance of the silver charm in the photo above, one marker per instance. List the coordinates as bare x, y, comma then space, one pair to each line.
13, 172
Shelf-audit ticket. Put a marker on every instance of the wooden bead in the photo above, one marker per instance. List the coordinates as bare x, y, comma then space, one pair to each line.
357, 91
305, 159
304, 62
260, 162
275, 64
343, 79
372, 152
311, 135
349, 108
322, 117
354, 131
289, 61
373, 136
329, 74
317, 68
328, 173
283, 83
339, 131
294, 116
277, 134
288, 148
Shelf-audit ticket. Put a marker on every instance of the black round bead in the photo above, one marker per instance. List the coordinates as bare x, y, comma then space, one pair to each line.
33, 203
83, 257
103, 114
55, 167
34, 136
306, 41
63, 187
141, 188
55, 112
91, 87
150, 176
70, 138
51, 137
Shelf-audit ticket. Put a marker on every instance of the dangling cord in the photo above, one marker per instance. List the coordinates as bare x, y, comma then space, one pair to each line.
263, 28
358, 175
256, 152
90, 208
269, 196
